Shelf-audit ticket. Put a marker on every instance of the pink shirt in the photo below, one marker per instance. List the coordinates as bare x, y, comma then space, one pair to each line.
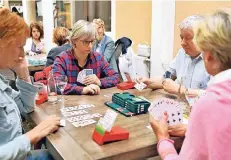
208, 135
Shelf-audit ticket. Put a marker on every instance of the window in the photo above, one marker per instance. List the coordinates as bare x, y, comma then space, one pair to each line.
67, 12
88, 10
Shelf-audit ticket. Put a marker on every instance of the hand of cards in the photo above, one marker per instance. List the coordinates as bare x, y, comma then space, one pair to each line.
84, 73
140, 86
170, 106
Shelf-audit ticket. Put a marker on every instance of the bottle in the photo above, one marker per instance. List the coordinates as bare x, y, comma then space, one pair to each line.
51, 89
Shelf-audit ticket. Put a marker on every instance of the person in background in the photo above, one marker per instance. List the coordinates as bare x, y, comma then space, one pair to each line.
186, 69
61, 38
14, 144
80, 57
209, 130
34, 44
104, 44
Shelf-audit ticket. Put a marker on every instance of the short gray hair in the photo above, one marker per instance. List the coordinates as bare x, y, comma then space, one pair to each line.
83, 28
189, 22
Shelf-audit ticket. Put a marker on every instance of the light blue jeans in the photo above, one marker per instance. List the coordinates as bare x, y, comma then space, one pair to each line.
41, 154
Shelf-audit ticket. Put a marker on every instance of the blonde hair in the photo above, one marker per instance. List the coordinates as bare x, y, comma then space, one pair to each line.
60, 35
213, 34
100, 22
11, 25
83, 28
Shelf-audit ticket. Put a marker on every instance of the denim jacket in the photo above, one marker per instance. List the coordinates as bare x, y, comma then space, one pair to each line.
13, 144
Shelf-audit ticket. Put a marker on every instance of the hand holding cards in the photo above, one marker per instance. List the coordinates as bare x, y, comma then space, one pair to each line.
84, 73
170, 106
140, 86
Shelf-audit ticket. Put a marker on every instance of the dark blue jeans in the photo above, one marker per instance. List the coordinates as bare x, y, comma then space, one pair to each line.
41, 154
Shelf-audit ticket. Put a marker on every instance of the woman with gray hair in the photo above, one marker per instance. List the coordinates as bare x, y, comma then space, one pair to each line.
209, 131
92, 70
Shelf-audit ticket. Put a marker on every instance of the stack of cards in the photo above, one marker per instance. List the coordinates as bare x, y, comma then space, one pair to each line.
74, 113
140, 86
84, 122
170, 106
79, 107
82, 74
84, 117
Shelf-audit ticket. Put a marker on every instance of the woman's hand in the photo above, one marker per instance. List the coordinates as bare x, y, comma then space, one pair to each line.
20, 67
91, 89
160, 128
177, 130
43, 129
92, 79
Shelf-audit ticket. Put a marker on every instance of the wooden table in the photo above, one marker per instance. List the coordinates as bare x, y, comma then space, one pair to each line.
72, 143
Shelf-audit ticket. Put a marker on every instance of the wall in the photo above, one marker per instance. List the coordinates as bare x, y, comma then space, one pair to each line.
133, 20
187, 8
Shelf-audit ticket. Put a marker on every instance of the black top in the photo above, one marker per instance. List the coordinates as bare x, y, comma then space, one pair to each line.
56, 51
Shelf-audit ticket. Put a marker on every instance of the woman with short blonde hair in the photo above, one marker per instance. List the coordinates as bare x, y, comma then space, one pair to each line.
104, 44
90, 68
209, 130
13, 143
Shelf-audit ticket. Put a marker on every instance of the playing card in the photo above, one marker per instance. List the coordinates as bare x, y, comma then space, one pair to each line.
140, 86
170, 106
88, 72
84, 117
62, 122
83, 123
79, 107
149, 127
73, 113
108, 120
81, 76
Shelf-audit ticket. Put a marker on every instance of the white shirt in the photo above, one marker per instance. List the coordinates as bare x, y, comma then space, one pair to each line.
191, 70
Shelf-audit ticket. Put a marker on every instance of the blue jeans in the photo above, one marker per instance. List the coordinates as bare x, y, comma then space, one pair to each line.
41, 154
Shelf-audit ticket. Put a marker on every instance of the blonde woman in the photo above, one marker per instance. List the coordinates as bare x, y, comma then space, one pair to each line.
14, 144
34, 44
209, 130
80, 57
104, 44
61, 38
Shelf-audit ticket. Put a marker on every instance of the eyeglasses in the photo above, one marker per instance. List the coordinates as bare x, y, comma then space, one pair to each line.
86, 43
